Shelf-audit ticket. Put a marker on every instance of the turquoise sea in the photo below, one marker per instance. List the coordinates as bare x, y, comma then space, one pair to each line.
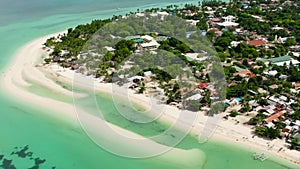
62, 145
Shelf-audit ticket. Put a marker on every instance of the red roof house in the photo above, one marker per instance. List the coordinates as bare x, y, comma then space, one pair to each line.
256, 42
203, 85
273, 117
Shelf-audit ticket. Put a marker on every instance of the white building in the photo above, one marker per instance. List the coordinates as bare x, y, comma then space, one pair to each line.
287, 63
150, 45
195, 97
228, 21
147, 38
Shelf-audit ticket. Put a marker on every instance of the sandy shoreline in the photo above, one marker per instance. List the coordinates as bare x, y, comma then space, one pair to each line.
13, 83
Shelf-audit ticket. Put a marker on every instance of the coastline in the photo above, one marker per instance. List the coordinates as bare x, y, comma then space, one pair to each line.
13, 83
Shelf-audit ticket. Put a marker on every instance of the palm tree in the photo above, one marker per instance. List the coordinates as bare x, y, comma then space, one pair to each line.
261, 131
273, 133
295, 143
142, 88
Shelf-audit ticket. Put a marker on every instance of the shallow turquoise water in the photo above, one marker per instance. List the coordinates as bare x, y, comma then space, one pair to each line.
63, 145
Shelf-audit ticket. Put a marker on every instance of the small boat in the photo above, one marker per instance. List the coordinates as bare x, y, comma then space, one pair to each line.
262, 156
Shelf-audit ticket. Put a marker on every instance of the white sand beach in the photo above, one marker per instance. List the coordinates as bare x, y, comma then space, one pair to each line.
24, 67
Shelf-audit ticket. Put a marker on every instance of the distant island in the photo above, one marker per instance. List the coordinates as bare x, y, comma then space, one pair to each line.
257, 43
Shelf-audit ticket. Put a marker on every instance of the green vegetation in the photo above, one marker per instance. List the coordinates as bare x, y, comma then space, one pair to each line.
295, 143
193, 105
247, 66
257, 119
233, 114
270, 133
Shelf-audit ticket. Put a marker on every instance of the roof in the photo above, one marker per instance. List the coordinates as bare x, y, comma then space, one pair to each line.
195, 97
270, 111
273, 72
147, 37
263, 5
216, 19
232, 84
273, 117
138, 40
284, 98
203, 85
109, 48
287, 63
148, 73
256, 42
297, 123
238, 69
296, 84
251, 91
277, 59
163, 13
270, 125
133, 37
228, 17
150, 44
246, 72
161, 38
139, 14
226, 23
